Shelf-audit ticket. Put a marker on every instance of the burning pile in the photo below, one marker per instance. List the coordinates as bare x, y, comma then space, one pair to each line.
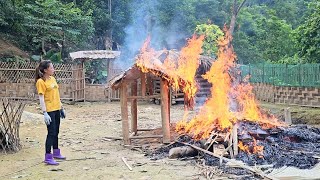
231, 117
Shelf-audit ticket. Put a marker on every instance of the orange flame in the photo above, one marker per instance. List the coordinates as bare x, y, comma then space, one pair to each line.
184, 67
253, 149
230, 100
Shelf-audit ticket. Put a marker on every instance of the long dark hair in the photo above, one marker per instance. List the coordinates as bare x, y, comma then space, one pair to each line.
41, 67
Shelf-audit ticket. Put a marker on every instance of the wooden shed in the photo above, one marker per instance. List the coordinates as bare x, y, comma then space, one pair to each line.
136, 84
79, 77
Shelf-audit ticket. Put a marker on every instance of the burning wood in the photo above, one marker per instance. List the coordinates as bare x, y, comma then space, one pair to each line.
233, 126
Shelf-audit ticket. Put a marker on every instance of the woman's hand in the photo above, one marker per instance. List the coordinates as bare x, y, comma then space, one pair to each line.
47, 118
62, 113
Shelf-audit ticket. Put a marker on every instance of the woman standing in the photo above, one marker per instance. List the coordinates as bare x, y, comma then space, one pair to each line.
48, 91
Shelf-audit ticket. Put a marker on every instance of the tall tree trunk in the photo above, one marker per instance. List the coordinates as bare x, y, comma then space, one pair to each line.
235, 12
42, 47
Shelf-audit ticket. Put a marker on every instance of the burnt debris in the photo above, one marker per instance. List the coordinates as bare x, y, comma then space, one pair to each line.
297, 146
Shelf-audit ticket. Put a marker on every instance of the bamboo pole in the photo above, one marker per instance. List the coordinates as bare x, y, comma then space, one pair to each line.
165, 116
124, 113
134, 111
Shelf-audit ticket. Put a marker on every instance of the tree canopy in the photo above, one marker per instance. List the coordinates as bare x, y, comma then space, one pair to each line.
278, 31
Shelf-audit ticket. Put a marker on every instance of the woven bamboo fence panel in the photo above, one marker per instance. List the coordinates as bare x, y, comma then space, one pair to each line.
10, 116
18, 79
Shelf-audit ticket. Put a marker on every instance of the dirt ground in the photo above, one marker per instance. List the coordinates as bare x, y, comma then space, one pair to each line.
93, 156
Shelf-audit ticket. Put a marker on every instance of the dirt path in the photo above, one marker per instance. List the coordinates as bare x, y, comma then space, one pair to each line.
89, 155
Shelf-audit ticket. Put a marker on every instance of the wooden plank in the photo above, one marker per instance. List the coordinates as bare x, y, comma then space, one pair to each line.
124, 113
134, 104
147, 136
144, 97
165, 110
146, 129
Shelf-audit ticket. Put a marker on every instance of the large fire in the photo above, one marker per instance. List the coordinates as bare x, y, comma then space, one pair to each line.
232, 98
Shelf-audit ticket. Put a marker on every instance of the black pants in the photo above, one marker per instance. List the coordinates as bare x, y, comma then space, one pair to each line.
53, 131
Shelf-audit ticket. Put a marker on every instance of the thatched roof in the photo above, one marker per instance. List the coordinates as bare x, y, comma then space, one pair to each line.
96, 54
134, 72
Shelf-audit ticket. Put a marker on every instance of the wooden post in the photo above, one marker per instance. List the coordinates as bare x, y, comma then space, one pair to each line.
134, 111
83, 80
143, 84
164, 90
287, 116
124, 113
150, 85
235, 139
169, 103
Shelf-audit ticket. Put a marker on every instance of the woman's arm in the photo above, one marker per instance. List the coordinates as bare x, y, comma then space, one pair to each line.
42, 103
47, 118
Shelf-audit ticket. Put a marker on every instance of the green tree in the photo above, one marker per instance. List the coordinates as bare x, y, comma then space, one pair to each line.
51, 23
275, 38
308, 35
212, 35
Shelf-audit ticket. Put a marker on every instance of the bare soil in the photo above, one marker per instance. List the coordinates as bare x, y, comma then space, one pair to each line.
8, 49
91, 155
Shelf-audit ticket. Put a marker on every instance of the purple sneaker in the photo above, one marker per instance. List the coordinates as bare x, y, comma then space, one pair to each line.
49, 159
57, 154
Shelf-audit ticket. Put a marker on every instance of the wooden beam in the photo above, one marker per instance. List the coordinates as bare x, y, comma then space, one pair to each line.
134, 104
147, 136
165, 116
124, 113
146, 129
144, 97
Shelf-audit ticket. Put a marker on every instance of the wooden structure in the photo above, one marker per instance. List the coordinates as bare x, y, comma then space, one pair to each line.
135, 85
127, 83
94, 55
10, 115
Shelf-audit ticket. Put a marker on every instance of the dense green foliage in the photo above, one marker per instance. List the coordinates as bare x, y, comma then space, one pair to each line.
276, 31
